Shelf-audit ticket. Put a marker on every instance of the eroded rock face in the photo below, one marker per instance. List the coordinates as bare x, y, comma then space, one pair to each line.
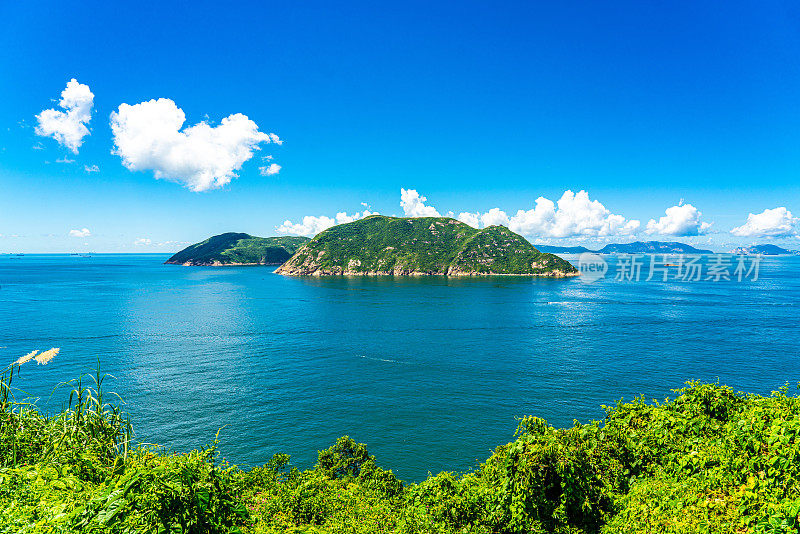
423, 246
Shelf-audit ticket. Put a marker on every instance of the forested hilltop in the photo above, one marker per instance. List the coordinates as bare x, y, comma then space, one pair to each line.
380, 245
709, 461
238, 249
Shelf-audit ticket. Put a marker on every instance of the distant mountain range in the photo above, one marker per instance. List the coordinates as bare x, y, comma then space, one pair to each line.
562, 250
765, 250
637, 247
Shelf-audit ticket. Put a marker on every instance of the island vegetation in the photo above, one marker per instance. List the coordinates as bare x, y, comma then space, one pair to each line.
238, 249
380, 245
710, 460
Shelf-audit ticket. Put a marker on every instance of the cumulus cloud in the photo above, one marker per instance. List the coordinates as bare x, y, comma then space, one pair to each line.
269, 170
68, 127
142, 241
472, 219
148, 137
312, 225
493, 217
413, 204
91, 168
574, 215
682, 220
84, 232
777, 222
65, 160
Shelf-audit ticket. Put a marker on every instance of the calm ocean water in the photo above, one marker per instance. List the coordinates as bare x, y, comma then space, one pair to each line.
429, 372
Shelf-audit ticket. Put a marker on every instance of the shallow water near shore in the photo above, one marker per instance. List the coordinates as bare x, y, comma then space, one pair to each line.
429, 372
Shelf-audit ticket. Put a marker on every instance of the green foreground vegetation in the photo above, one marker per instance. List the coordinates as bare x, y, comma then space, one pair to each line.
709, 461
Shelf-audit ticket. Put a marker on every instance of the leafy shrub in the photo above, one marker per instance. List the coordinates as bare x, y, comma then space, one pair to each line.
350, 461
711, 460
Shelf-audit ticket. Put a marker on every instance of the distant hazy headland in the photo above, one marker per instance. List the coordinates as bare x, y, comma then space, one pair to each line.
637, 247
239, 249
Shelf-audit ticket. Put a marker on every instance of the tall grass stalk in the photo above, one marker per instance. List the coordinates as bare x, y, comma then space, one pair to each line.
87, 423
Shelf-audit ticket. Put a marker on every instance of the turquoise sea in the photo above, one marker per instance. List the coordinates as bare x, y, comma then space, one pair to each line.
429, 372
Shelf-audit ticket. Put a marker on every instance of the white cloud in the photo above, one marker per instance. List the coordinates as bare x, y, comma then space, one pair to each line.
38, 146
574, 215
142, 241
68, 127
65, 160
312, 225
342, 217
269, 170
472, 219
148, 136
495, 217
777, 222
91, 168
682, 220
80, 233
413, 204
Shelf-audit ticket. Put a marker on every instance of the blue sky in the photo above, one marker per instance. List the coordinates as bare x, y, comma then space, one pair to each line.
645, 106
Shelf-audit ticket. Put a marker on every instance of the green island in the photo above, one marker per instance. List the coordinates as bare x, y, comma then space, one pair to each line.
238, 249
380, 245
710, 460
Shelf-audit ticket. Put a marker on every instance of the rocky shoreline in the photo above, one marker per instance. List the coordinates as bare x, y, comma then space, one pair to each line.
313, 271
219, 264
